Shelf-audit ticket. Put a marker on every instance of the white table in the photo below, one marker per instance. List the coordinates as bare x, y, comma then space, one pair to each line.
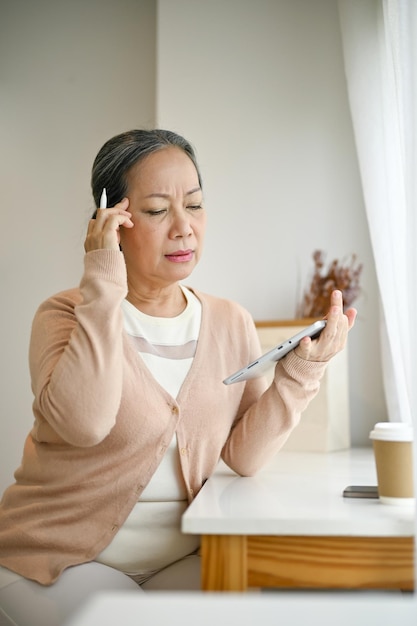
289, 526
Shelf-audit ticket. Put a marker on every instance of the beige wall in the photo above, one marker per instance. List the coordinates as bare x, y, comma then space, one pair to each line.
72, 74
259, 89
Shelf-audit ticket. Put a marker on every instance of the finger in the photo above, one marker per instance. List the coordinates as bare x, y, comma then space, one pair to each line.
100, 232
351, 317
336, 298
104, 215
303, 349
110, 237
90, 226
123, 205
103, 232
119, 208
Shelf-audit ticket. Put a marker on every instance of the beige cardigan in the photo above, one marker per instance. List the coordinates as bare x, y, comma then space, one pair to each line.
102, 422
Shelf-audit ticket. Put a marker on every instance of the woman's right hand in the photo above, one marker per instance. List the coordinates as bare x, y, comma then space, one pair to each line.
103, 231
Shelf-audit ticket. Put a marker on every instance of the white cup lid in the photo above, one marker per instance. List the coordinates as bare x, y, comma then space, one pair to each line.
392, 431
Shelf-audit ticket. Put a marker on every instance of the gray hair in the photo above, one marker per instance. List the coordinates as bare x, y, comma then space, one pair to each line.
119, 154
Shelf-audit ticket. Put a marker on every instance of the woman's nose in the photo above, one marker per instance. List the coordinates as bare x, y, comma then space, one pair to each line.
181, 226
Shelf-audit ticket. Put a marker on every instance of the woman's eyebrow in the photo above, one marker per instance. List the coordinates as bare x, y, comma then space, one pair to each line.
189, 193
167, 195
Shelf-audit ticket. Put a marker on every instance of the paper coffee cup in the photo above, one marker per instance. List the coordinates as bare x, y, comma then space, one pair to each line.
393, 451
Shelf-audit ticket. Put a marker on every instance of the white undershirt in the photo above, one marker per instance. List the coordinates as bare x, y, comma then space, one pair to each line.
151, 537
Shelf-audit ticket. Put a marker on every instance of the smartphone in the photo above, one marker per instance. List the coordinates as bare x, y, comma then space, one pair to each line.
361, 491
258, 367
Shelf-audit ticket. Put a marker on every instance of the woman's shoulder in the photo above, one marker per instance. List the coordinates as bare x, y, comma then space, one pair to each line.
62, 300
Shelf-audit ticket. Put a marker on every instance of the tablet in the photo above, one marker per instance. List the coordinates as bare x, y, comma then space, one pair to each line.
258, 367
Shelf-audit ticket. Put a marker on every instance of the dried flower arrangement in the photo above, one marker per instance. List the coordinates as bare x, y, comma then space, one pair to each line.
344, 275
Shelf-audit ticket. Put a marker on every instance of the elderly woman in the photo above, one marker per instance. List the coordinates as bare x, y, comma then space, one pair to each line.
131, 415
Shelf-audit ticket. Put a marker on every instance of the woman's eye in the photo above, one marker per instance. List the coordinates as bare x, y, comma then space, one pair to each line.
155, 211
195, 207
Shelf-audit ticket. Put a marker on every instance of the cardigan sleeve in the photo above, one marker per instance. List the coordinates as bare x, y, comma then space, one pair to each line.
266, 418
76, 355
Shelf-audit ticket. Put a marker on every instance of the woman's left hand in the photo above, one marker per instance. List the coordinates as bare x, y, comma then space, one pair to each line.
333, 337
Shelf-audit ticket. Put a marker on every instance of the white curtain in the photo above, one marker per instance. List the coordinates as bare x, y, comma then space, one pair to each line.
379, 43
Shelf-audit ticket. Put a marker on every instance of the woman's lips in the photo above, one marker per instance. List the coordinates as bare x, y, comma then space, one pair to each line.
180, 256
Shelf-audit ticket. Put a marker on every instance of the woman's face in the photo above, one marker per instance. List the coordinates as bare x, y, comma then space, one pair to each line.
166, 203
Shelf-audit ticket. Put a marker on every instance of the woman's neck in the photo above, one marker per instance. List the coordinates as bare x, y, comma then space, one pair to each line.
165, 302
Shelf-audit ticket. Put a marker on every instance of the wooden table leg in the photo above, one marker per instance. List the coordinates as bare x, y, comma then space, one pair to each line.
224, 563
